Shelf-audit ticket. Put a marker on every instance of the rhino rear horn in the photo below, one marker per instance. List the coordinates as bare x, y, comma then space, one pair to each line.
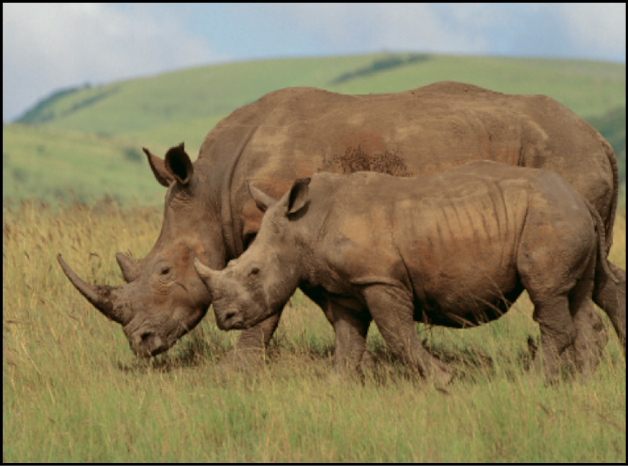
262, 200
101, 297
129, 267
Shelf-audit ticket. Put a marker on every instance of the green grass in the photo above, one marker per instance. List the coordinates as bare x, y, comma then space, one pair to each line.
73, 391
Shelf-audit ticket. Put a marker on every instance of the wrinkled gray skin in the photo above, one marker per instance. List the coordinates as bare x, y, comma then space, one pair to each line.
453, 249
295, 132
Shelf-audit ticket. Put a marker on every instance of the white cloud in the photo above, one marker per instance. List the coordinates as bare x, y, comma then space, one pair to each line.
375, 27
597, 29
567, 30
47, 46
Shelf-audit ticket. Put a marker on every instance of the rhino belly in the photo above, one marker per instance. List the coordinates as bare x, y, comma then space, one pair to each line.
460, 308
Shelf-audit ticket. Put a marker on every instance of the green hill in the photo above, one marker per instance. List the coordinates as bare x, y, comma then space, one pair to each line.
89, 138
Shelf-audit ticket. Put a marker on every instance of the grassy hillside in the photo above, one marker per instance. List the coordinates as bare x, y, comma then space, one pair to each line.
162, 111
57, 165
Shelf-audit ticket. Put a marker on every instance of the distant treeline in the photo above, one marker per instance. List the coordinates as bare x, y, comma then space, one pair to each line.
381, 64
612, 126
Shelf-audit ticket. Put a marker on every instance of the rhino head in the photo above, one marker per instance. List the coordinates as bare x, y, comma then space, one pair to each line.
257, 284
164, 298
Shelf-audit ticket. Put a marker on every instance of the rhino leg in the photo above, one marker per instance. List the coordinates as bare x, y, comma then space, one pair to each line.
563, 308
351, 328
251, 347
393, 313
330, 309
611, 297
588, 349
591, 339
558, 332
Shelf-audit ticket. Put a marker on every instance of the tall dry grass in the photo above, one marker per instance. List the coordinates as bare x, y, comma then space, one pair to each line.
73, 391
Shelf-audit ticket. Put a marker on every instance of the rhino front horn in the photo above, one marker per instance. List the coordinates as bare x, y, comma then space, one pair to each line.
99, 296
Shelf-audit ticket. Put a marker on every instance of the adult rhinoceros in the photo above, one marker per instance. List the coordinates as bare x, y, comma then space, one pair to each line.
295, 132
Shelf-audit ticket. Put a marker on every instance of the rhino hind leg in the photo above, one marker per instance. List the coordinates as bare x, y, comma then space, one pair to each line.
611, 297
591, 340
563, 307
558, 332
394, 315
591, 335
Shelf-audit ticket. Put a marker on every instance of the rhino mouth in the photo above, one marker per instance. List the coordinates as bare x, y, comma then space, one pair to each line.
230, 319
146, 341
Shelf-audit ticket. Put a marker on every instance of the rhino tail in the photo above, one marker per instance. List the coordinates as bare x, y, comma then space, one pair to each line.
612, 160
601, 238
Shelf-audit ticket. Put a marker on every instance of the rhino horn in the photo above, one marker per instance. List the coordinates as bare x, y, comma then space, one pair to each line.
101, 297
262, 200
206, 274
129, 267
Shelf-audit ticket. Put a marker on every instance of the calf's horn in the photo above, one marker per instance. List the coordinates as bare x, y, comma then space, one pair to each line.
204, 272
100, 296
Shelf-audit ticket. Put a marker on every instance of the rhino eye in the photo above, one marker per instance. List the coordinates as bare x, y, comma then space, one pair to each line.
165, 270
254, 271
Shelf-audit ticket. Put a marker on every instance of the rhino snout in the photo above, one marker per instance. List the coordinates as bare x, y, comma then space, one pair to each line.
230, 319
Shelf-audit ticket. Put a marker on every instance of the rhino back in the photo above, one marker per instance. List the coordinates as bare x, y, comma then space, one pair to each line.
447, 238
295, 132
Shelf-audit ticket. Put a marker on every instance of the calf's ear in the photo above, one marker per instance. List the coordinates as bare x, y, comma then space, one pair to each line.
262, 200
179, 165
298, 195
157, 165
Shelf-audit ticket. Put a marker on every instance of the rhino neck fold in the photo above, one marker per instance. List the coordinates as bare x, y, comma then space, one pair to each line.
233, 241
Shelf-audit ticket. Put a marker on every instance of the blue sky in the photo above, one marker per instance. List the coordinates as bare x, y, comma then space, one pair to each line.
51, 46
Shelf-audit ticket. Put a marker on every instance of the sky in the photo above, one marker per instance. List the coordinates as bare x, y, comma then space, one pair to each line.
46, 47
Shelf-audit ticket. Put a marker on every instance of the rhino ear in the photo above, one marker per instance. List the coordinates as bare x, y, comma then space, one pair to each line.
158, 167
179, 165
262, 200
298, 195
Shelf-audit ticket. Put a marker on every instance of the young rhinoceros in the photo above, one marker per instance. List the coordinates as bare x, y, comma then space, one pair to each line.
454, 249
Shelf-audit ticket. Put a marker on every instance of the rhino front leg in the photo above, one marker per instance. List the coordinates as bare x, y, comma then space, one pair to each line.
351, 327
250, 348
393, 313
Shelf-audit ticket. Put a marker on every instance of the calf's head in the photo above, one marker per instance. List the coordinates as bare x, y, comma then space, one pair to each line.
258, 283
164, 298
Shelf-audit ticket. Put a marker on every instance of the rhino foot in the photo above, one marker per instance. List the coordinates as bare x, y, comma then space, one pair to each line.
441, 373
367, 362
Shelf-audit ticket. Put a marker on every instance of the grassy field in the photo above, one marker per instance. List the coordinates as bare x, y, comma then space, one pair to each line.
74, 392
57, 165
89, 139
